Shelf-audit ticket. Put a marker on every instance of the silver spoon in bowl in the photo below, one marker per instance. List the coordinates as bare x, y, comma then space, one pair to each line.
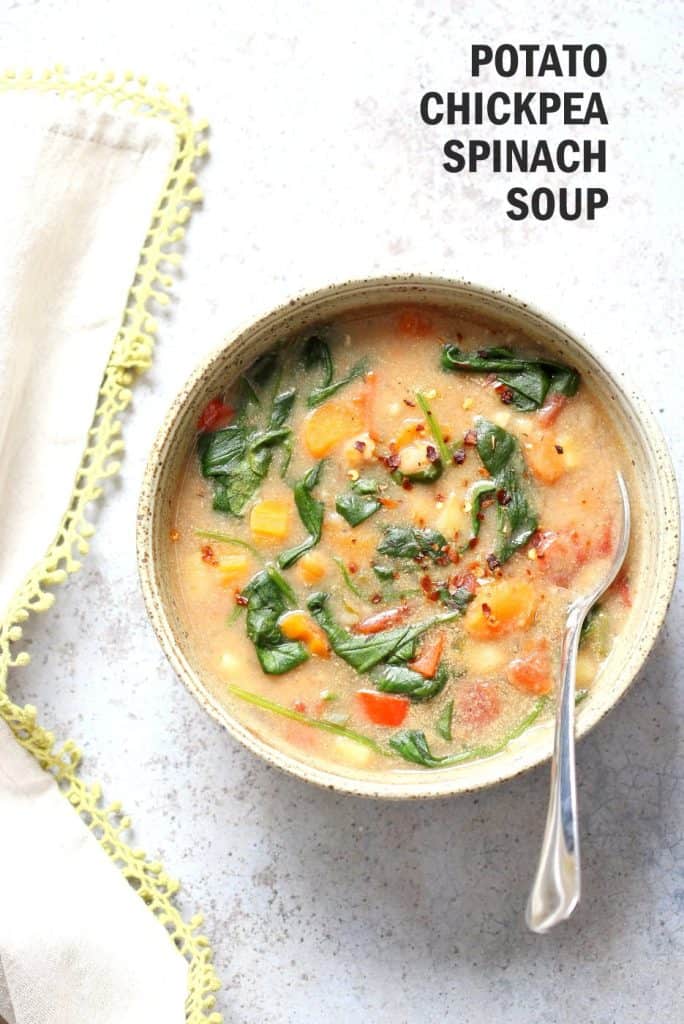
556, 889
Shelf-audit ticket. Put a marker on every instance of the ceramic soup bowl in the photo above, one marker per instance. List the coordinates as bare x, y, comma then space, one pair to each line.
654, 550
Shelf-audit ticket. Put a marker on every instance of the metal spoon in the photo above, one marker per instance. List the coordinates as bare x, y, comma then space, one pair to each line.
556, 889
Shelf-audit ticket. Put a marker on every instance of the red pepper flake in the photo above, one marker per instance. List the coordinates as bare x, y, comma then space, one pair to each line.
472, 543
559, 448
360, 446
506, 395
439, 497
392, 461
208, 555
503, 497
241, 599
300, 706
470, 438
411, 405
407, 485
353, 567
174, 535
420, 428
486, 610
426, 584
376, 598
459, 456
431, 452
493, 563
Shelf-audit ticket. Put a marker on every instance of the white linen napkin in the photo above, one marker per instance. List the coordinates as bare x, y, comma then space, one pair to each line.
78, 186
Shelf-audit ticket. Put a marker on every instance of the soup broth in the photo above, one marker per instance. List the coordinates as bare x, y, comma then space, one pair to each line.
379, 530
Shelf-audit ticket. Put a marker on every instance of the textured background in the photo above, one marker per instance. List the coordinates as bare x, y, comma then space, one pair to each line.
330, 908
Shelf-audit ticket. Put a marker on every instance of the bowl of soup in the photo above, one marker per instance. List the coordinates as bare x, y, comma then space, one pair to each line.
365, 517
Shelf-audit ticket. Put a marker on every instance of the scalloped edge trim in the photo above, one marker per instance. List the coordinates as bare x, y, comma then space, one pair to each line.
131, 354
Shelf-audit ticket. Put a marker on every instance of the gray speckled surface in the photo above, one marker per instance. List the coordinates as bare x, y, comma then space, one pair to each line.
323, 907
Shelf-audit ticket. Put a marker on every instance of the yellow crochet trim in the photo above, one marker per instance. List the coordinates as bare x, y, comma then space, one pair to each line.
131, 353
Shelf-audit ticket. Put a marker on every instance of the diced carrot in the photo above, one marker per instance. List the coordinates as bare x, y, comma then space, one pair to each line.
232, 568
551, 409
478, 704
312, 567
330, 423
297, 625
545, 459
504, 607
427, 661
382, 620
383, 708
216, 414
270, 518
413, 323
531, 671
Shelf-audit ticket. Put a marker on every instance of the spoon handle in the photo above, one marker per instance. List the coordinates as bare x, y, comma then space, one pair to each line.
556, 888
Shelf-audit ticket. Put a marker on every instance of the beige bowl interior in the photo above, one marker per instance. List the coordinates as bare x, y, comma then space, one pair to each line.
655, 537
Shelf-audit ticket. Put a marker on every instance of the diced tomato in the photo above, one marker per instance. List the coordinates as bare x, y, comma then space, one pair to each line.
622, 588
208, 555
215, 415
559, 555
466, 580
427, 661
605, 541
551, 409
414, 323
478, 704
383, 708
300, 706
531, 671
300, 735
382, 620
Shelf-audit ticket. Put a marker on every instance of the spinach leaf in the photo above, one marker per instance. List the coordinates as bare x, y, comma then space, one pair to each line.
317, 352
384, 572
360, 502
364, 651
412, 745
495, 446
402, 679
411, 542
269, 595
311, 514
443, 723
432, 472
516, 520
237, 459
458, 599
476, 495
595, 631
529, 380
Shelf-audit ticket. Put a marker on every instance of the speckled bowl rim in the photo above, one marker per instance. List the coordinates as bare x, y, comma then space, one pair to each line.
519, 756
